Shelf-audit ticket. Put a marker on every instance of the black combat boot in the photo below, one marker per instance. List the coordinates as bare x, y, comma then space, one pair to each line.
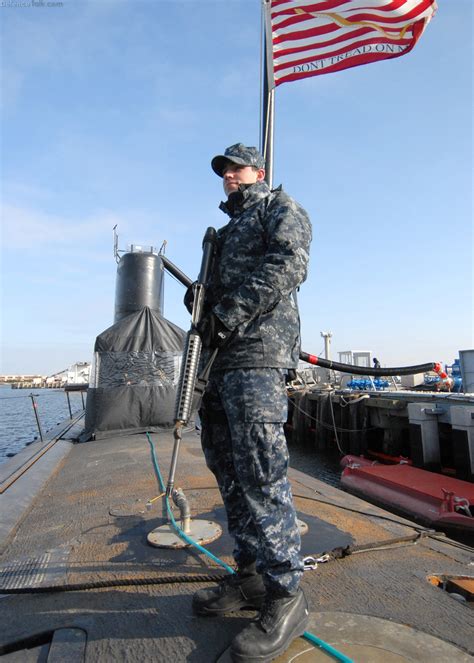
244, 589
281, 620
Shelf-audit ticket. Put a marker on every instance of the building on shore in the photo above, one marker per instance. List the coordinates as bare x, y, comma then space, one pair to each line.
76, 374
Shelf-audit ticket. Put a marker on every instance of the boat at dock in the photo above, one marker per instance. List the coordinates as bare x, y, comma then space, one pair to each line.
437, 500
409, 451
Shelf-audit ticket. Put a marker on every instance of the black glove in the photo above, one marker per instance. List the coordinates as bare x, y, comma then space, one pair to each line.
189, 297
213, 332
290, 375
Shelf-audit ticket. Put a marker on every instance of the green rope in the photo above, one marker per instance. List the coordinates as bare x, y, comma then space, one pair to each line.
327, 647
178, 529
309, 636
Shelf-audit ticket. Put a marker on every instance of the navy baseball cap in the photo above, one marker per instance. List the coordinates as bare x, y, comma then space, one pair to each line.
239, 154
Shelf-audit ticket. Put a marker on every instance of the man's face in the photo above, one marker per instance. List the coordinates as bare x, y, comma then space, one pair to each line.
234, 175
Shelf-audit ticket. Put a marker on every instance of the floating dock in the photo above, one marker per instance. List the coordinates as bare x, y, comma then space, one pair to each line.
441, 501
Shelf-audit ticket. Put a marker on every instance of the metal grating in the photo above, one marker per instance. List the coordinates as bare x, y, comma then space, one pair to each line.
25, 573
48, 568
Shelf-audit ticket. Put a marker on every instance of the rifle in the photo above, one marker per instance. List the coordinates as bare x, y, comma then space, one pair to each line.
189, 382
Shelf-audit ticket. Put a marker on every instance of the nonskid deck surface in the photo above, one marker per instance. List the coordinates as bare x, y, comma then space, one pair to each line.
88, 527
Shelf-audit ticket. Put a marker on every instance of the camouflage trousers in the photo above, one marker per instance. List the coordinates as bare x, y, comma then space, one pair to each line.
242, 415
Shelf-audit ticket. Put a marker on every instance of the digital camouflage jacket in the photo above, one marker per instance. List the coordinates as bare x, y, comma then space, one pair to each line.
262, 257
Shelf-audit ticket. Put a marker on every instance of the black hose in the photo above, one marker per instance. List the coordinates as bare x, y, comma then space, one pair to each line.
175, 271
326, 363
367, 370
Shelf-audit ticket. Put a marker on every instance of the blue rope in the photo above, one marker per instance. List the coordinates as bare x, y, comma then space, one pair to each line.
327, 647
309, 636
178, 529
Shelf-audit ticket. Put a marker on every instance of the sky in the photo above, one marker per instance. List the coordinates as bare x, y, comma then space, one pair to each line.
111, 113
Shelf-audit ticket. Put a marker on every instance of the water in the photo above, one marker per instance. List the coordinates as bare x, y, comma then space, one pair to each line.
18, 428
17, 418
322, 466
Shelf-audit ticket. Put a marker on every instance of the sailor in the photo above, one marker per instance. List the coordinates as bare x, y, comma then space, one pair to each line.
252, 317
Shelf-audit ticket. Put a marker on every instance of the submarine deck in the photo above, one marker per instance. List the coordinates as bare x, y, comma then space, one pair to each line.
87, 527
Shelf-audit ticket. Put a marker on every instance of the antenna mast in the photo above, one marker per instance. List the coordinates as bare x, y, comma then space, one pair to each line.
116, 251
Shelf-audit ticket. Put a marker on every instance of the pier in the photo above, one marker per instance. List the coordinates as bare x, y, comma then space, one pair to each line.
76, 374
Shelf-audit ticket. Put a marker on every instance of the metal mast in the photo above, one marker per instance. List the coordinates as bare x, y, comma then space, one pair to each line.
268, 96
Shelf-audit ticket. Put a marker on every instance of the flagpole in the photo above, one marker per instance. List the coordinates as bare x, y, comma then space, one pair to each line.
268, 96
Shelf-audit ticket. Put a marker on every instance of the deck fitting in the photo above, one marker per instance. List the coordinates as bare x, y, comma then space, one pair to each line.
201, 531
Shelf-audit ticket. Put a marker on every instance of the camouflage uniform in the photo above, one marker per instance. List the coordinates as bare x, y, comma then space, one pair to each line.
262, 256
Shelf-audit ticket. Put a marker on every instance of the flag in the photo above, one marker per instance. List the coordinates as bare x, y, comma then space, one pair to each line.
312, 37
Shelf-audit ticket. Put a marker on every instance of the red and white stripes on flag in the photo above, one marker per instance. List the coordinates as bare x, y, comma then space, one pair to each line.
312, 37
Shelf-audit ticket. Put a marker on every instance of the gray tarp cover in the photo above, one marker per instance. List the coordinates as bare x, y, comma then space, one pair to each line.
134, 376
